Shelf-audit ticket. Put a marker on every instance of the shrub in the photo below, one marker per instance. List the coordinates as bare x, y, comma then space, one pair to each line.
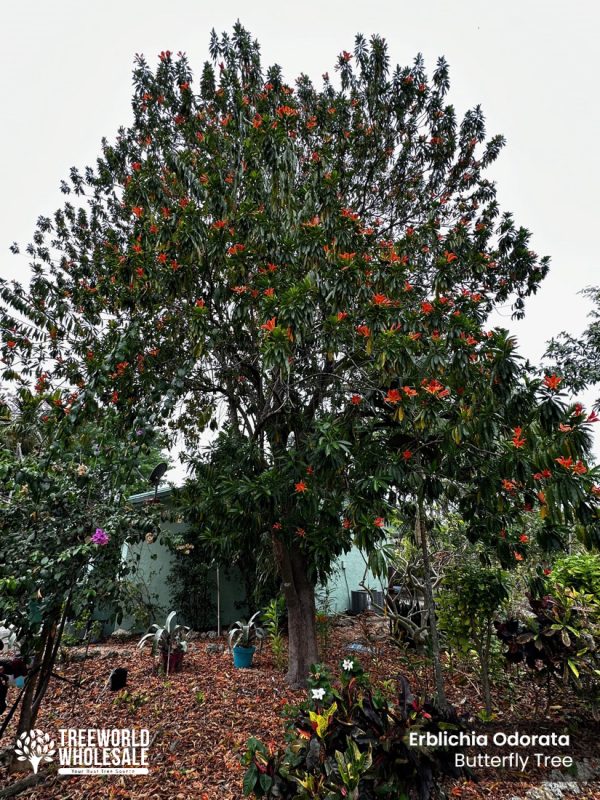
273, 619
472, 595
580, 571
560, 641
350, 741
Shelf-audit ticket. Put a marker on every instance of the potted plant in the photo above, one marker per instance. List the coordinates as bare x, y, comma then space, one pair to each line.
170, 641
242, 641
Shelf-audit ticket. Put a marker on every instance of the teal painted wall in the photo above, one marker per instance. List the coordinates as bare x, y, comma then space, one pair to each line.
347, 575
153, 563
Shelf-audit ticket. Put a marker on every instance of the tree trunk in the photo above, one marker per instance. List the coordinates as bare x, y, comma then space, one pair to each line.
484, 660
422, 539
299, 594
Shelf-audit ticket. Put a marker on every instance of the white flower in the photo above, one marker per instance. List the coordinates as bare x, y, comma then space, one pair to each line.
318, 694
347, 664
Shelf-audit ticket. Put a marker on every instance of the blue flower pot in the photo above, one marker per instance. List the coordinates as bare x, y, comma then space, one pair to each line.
242, 657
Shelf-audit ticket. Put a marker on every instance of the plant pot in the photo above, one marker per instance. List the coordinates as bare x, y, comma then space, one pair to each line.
175, 661
242, 656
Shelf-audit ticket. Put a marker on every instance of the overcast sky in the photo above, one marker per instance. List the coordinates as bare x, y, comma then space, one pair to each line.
65, 81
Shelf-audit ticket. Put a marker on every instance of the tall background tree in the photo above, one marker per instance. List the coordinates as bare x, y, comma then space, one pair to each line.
255, 256
578, 358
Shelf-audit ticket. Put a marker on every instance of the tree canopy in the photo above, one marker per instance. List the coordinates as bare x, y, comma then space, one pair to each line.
310, 270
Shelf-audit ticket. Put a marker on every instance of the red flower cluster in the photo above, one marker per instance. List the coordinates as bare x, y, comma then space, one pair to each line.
578, 467
518, 440
545, 473
393, 396
552, 382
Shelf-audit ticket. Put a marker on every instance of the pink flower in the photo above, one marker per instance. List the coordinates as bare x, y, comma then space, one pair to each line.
100, 537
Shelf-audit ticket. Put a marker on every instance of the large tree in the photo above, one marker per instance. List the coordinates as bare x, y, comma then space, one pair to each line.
243, 254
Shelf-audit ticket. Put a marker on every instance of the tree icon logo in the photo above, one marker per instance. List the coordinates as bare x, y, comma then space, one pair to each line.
34, 746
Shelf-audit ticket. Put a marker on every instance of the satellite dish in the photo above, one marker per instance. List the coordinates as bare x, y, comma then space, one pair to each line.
157, 474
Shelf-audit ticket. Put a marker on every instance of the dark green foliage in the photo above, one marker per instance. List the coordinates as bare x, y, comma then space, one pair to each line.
194, 586
353, 743
560, 641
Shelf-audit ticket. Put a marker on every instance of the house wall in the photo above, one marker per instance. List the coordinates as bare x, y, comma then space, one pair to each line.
153, 563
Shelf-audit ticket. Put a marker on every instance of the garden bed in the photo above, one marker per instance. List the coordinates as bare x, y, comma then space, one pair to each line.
200, 718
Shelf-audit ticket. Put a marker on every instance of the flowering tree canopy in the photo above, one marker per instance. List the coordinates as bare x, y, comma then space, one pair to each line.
310, 269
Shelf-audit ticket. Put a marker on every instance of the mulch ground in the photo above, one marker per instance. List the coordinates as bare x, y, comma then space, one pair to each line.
201, 718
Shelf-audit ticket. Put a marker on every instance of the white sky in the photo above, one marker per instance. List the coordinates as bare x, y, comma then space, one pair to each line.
65, 81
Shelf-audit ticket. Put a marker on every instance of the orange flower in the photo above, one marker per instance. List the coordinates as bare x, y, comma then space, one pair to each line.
364, 330
341, 315
347, 256
346, 523
518, 440
11, 343
450, 257
269, 325
379, 522
426, 307
138, 211
565, 462
523, 538
300, 532
269, 292
136, 166
518, 556
301, 487
381, 300
593, 417
356, 399
579, 468
393, 396
552, 382
409, 392
286, 111
407, 454
433, 387
565, 428
510, 486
